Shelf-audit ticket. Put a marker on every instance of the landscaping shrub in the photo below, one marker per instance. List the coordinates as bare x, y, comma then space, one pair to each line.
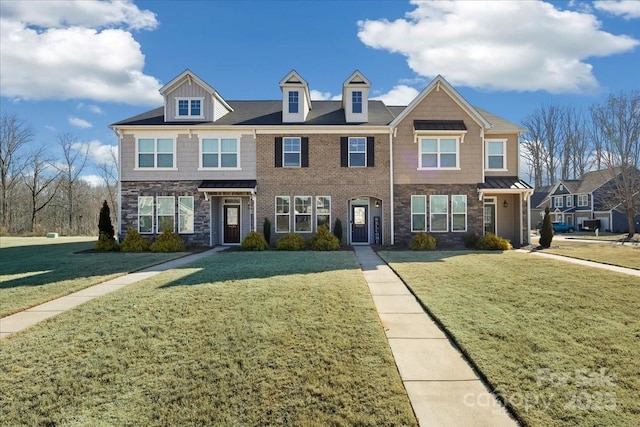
266, 230
254, 241
291, 242
168, 241
422, 241
134, 242
546, 232
106, 243
470, 239
491, 242
323, 240
104, 223
337, 229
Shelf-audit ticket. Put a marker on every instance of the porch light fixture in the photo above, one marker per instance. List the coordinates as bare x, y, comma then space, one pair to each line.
505, 204
377, 204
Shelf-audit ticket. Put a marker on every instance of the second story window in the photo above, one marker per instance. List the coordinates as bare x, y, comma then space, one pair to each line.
189, 107
496, 150
293, 101
219, 153
155, 153
291, 152
557, 201
438, 153
356, 101
583, 200
569, 201
357, 152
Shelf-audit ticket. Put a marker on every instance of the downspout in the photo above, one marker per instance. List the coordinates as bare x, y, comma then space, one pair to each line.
391, 216
118, 133
255, 210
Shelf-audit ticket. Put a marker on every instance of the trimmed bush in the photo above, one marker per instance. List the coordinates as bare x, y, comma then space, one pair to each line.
134, 242
106, 244
168, 241
422, 242
291, 242
491, 242
104, 222
266, 230
323, 240
546, 232
337, 229
254, 241
470, 239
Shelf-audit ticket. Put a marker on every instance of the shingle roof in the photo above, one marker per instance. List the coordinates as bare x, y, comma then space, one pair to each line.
540, 194
499, 125
593, 180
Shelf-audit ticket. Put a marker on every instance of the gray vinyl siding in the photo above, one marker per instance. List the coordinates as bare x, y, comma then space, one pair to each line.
189, 91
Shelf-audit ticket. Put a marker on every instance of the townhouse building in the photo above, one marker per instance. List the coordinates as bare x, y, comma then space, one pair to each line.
212, 169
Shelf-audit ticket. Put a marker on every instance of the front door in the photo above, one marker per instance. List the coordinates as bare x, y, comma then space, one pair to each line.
359, 226
231, 224
489, 218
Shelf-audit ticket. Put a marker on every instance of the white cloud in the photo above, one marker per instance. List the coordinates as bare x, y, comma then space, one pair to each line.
78, 122
524, 46
93, 180
90, 107
317, 95
98, 152
628, 9
399, 95
61, 50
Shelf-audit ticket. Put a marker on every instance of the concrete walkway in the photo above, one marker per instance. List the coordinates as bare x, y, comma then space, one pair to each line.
442, 387
25, 319
615, 268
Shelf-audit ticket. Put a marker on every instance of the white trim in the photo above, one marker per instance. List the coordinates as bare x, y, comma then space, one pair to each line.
193, 212
356, 152
424, 214
299, 165
219, 152
276, 214
177, 99
466, 212
504, 155
439, 153
323, 214
446, 214
310, 214
155, 154
152, 215
173, 205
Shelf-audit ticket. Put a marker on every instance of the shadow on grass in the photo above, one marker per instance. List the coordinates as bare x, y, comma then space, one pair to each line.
232, 266
409, 256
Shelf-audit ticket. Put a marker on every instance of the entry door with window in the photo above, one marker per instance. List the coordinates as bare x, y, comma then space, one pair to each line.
359, 225
490, 218
231, 224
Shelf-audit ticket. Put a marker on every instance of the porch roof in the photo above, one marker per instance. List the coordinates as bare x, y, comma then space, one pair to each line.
505, 183
228, 187
439, 125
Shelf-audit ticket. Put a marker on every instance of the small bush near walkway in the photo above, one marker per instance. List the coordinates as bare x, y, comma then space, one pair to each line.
291, 242
422, 242
323, 240
491, 242
254, 241
134, 242
168, 241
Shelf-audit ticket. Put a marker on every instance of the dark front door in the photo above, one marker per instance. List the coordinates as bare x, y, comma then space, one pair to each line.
359, 226
232, 224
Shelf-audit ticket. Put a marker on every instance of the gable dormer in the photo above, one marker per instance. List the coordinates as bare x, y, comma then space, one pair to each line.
189, 98
296, 100
355, 98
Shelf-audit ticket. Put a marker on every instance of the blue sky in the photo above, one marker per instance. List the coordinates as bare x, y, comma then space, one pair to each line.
77, 66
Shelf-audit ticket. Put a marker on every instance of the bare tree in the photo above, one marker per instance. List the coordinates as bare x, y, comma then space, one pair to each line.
74, 160
14, 135
109, 174
577, 149
616, 128
42, 185
533, 147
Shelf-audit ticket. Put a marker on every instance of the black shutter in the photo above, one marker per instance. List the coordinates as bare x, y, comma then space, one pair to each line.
304, 152
370, 152
278, 152
344, 151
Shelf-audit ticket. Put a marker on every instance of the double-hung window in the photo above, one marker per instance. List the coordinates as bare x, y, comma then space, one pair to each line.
185, 214
145, 214
166, 211
189, 107
291, 152
438, 213
293, 102
438, 153
219, 153
282, 214
155, 153
356, 101
583, 200
496, 154
357, 152
569, 201
459, 213
302, 212
557, 201
323, 211
418, 213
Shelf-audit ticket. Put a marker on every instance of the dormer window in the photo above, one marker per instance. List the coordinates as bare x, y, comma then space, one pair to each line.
189, 107
293, 102
356, 101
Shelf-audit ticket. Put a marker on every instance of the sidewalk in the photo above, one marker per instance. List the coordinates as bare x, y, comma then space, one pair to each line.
615, 268
25, 319
442, 387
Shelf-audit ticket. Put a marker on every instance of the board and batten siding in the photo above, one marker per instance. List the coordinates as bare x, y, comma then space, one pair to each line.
188, 91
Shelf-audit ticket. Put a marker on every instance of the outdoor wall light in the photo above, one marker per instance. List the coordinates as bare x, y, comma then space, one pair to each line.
377, 203
505, 204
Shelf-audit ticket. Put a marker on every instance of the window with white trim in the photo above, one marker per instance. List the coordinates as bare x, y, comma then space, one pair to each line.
291, 152
189, 107
166, 213
583, 200
438, 213
357, 152
418, 213
155, 153
323, 211
459, 212
557, 201
438, 153
283, 211
569, 201
293, 101
356, 101
496, 154
145, 214
302, 214
185, 215
219, 153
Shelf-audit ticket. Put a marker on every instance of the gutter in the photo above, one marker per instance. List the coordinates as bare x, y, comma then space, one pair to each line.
392, 132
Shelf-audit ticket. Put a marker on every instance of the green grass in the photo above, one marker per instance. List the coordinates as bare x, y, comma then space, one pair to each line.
625, 255
235, 339
34, 270
559, 342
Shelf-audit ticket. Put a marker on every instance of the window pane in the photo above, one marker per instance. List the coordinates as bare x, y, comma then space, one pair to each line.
282, 223
183, 107
495, 147
418, 204
195, 107
292, 159
495, 162
210, 160
145, 160
357, 145
165, 145
357, 159
429, 145
282, 205
438, 222
429, 160
418, 222
438, 204
165, 223
146, 146
145, 205
458, 222
185, 214
209, 145
229, 146
448, 161
229, 161
323, 204
165, 206
165, 160
303, 205
145, 224
303, 223
291, 144
323, 219
448, 145
459, 204
293, 102
356, 101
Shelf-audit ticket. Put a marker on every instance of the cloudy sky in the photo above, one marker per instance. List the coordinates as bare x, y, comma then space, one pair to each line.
77, 66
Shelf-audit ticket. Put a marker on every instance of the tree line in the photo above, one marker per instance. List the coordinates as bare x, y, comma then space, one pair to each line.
41, 187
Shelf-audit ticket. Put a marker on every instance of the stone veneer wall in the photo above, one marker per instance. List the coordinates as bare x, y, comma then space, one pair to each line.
130, 191
402, 211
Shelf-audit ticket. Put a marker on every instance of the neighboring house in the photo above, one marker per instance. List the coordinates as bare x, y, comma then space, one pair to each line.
540, 194
212, 170
576, 201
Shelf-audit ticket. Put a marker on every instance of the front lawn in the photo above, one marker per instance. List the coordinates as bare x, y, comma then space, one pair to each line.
623, 255
560, 342
34, 270
238, 338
